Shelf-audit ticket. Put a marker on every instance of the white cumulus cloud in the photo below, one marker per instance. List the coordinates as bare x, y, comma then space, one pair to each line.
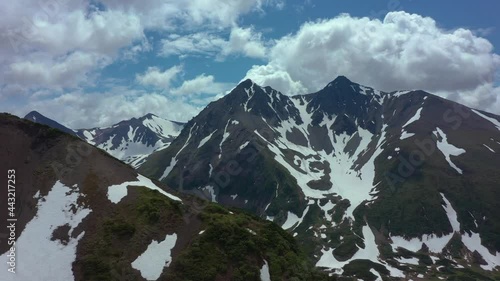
403, 51
240, 41
157, 78
202, 84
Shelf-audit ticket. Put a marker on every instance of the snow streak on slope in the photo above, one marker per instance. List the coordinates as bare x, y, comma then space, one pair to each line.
250, 93
156, 257
224, 137
117, 192
489, 148
173, 161
451, 214
416, 117
51, 260
206, 139
492, 120
448, 149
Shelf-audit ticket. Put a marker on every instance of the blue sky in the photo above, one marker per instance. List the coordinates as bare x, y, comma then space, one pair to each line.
95, 63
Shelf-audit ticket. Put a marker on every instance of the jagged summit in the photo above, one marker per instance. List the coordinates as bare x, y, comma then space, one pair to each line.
148, 116
341, 79
246, 83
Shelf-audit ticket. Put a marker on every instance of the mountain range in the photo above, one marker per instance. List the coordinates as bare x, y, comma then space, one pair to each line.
372, 185
129, 140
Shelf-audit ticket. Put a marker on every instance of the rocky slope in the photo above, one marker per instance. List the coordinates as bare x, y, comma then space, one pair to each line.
399, 185
83, 215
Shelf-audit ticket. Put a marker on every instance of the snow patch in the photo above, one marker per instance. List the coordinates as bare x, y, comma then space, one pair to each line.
374, 272
293, 221
448, 149
156, 257
492, 120
41, 258
211, 192
264, 272
117, 192
406, 135
473, 243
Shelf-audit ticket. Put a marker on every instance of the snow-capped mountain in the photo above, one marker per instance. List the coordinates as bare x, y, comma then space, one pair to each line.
130, 140
83, 215
401, 184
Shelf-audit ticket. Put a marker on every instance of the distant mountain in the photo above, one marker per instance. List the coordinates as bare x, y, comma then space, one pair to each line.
130, 140
401, 184
35, 116
83, 215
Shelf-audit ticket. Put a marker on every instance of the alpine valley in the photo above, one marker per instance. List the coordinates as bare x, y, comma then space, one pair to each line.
364, 184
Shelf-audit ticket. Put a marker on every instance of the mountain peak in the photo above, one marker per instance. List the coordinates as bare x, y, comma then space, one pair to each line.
341, 80
33, 115
245, 84
149, 116
37, 117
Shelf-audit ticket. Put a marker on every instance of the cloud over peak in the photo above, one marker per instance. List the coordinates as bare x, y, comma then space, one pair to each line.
403, 51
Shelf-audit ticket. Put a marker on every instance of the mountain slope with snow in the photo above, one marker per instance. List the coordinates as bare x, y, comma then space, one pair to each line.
83, 215
347, 167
